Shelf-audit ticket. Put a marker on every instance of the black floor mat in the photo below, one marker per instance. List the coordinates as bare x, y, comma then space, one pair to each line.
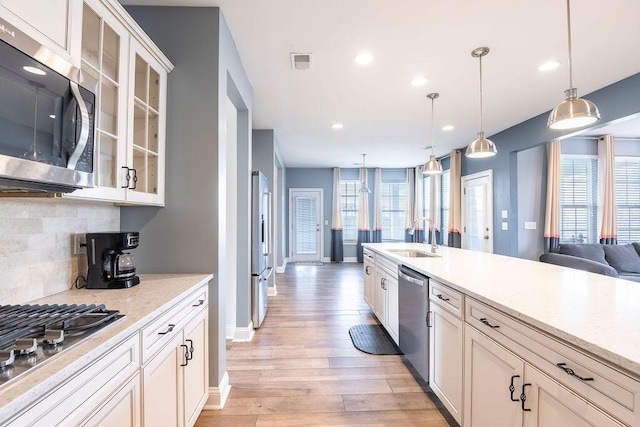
372, 339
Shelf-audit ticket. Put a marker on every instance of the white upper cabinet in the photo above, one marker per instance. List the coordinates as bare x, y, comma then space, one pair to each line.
53, 23
144, 171
105, 58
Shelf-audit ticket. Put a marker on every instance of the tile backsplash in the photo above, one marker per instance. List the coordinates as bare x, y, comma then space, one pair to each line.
36, 244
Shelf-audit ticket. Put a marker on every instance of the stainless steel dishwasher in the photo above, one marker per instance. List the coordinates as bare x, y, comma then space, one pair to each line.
412, 314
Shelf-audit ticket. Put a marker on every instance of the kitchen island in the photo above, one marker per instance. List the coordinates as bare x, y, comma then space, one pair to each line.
557, 321
173, 304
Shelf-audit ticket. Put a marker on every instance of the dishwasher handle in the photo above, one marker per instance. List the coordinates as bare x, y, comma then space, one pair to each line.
416, 281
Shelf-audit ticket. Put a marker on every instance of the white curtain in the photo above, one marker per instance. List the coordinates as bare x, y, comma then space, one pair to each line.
608, 228
363, 216
409, 218
552, 209
436, 206
337, 243
418, 205
376, 234
454, 237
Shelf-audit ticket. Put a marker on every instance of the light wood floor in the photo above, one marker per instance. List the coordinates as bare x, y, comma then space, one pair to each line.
301, 368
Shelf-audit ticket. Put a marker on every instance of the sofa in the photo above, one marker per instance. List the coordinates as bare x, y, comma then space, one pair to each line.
621, 261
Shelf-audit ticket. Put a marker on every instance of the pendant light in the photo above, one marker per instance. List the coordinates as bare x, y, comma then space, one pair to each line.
433, 166
573, 112
363, 184
481, 147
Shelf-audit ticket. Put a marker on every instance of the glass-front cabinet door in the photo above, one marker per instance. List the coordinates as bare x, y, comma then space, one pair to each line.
104, 68
145, 165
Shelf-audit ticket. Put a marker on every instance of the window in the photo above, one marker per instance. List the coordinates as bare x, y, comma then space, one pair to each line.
393, 207
349, 202
628, 199
444, 207
578, 199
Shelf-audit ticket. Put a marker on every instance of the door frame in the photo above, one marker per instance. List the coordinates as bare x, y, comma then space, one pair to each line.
463, 180
321, 220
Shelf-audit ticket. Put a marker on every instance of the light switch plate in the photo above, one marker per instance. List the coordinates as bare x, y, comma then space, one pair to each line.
529, 225
78, 240
505, 226
505, 214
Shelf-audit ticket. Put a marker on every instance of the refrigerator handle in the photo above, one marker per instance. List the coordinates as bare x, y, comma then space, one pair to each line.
266, 224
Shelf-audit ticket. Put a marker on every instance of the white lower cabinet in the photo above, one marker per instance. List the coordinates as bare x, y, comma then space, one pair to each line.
122, 409
175, 380
369, 278
490, 370
550, 404
445, 359
380, 306
392, 303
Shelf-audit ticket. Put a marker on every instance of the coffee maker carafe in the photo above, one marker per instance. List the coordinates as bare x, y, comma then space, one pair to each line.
109, 266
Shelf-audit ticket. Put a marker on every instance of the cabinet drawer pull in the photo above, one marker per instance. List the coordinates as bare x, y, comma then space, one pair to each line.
442, 298
186, 355
169, 329
512, 388
571, 372
200, 302
523, 398
135, 179
189, 354
486, 322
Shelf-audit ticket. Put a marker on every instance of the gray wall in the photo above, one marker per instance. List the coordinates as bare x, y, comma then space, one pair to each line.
188, 234
614, 102
531, 177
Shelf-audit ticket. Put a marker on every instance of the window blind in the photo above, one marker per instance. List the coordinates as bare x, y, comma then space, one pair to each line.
628, 200
349, 202
306, 221
578, 200
393, 209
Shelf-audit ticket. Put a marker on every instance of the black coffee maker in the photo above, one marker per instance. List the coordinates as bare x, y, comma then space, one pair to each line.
109, 266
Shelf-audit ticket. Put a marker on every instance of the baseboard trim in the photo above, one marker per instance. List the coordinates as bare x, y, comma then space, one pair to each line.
218, 395
351, 259
272, 291
230, 331
244, 334
284, 266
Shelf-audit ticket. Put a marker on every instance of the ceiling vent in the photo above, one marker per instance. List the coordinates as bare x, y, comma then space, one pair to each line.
301, 61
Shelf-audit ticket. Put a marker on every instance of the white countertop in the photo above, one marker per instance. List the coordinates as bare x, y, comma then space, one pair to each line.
597, 313
155, 294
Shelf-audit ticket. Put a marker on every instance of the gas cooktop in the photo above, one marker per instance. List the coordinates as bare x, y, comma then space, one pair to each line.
31, 335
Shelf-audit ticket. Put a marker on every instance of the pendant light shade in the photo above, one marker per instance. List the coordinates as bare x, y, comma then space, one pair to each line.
481, 147
433, 166
574, 112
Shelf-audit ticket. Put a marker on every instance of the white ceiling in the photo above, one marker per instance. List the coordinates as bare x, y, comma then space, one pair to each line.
383, 115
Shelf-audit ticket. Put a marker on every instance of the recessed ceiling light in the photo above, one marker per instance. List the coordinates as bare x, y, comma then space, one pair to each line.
34, 70
337, 126
548, 66
53, 116
419, 81
447, 127
363, 58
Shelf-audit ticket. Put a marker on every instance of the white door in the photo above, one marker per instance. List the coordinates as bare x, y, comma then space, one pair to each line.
306, 229
477, 212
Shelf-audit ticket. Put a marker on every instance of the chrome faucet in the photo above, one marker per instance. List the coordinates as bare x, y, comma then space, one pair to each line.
434, 245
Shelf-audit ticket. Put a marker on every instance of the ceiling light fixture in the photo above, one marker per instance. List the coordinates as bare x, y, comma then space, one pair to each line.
433, 166
548, 66
447, 128
363, 184
337, 126
363, 58
573, 112
419, 81
481, 147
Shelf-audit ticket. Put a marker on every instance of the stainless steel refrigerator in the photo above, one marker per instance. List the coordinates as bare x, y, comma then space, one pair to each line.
260, 247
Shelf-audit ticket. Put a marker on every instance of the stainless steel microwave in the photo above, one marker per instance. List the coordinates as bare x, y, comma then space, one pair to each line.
47, 117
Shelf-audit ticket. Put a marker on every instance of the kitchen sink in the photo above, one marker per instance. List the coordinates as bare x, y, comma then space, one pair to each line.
412, 253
